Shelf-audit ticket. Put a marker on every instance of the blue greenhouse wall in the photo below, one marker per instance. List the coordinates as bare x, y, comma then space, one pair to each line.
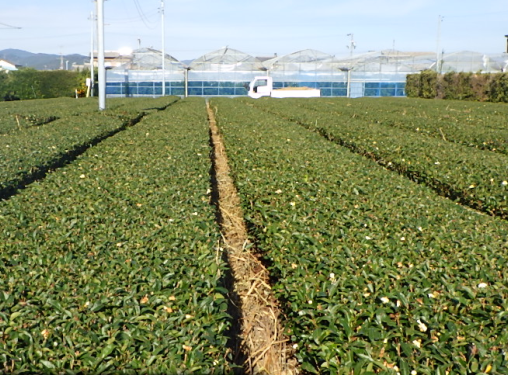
146, 84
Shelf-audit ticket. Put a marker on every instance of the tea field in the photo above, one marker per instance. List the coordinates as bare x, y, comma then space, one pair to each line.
112, 262
383, 223
39, 136
376, 270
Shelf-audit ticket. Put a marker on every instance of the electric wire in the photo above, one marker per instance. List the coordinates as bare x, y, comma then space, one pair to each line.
129, 19
8, 26
143, 16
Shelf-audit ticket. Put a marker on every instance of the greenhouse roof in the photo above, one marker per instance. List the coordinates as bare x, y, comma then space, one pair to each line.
226, 59
499, 62
468, 61
386, 61
151, 59
304, 56
305, 60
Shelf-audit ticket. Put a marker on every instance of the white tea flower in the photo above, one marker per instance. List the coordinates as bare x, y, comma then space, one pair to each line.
422, 326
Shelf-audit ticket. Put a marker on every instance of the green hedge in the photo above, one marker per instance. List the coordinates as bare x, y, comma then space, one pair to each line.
28, 83
458, 86
413, 89
498, 88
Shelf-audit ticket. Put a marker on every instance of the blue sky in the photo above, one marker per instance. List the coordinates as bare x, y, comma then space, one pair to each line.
260, 28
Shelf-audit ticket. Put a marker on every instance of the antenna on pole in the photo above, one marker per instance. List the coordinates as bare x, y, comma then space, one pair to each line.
61, 59
100, 55
439, 56
163, 51
352, 45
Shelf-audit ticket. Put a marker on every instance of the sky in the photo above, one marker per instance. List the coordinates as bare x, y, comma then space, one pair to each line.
193, 28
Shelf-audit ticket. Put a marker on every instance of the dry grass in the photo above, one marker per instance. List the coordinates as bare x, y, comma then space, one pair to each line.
262, 340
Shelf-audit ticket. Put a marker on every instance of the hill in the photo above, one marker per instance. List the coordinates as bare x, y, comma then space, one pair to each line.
40, 61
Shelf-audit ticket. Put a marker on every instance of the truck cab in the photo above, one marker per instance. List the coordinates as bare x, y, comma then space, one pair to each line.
260, 86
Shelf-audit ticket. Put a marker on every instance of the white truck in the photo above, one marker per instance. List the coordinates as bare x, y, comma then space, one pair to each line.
263, 86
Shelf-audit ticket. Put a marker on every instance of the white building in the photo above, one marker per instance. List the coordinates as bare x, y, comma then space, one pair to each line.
7, 66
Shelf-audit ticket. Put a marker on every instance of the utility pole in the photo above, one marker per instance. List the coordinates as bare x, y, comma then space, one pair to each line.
92, 62
163, 51
100, 55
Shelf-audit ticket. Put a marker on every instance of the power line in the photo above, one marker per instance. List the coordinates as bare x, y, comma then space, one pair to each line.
8, 26
143, 16
131, 19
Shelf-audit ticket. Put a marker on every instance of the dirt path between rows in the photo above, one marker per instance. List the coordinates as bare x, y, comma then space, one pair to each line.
261, 340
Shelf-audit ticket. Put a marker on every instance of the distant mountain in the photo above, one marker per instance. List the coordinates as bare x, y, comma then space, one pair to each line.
41, 61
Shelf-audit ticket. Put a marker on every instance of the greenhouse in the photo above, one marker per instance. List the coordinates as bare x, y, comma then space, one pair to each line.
227, 72
309, 68
223, 72
142, 75
467, 61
